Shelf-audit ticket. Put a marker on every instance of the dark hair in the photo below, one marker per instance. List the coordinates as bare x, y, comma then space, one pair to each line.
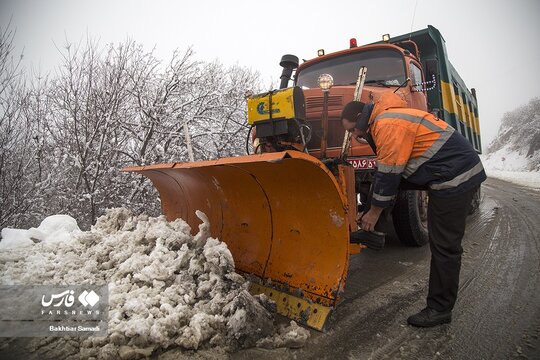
352, 110
358, 112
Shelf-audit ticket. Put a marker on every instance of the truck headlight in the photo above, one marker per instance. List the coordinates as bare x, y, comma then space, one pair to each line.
325, 82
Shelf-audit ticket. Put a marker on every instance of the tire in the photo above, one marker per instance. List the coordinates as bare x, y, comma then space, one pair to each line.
475, 202
410, 217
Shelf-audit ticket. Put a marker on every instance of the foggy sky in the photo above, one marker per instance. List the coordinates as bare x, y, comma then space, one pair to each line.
492, 44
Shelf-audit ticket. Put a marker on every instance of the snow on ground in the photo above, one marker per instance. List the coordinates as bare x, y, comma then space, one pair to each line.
56, 228
511, 166
167, 288
524, 178
506, 159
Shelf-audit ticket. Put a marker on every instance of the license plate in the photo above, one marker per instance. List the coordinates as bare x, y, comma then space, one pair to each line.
363, 163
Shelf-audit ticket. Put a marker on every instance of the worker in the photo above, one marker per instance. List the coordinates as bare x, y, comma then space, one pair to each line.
426, 151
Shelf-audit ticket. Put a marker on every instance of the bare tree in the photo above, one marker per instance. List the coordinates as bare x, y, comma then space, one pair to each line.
89, 101
207, 97
221, 121
66, 137
16, 152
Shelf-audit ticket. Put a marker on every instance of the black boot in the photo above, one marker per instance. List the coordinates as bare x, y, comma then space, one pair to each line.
430, 317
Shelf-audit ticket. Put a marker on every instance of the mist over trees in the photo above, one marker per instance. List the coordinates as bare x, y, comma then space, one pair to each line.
64, 137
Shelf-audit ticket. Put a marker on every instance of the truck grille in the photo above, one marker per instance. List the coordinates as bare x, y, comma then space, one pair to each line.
316, 103
335, 133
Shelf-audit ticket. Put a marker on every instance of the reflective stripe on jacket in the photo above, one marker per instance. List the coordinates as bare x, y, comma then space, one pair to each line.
421, 148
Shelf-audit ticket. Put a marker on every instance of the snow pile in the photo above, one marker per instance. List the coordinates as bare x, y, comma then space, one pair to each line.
167, 288
56, 228
292, 336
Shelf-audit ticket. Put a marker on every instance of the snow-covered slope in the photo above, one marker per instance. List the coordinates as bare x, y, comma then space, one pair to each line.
517, 145
514, 155
510, 166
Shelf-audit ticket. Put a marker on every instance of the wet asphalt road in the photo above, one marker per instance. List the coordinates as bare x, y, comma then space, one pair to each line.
497, 315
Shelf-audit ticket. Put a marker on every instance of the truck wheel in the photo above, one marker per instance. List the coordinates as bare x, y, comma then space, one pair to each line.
410, 217
475, 202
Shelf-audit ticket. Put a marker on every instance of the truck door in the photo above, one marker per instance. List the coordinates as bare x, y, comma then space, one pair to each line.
418, 93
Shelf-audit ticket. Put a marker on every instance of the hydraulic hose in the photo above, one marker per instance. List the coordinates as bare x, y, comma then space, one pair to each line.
247, 139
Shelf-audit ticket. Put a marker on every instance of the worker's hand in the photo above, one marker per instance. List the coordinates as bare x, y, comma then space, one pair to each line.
368, 220
361, 140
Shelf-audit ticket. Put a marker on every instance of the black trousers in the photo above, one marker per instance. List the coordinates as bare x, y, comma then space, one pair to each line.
446, 226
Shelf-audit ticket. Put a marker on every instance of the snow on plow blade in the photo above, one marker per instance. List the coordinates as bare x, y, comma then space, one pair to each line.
282, 215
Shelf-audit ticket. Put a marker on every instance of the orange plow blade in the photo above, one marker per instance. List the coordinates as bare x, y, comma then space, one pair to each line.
283, 216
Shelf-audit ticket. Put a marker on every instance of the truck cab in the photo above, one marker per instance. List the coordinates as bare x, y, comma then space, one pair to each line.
388, 68
416, 67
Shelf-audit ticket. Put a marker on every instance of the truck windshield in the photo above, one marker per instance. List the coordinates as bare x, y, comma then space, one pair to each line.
384, 67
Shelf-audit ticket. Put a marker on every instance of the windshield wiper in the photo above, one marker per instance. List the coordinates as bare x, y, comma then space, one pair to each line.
378, 82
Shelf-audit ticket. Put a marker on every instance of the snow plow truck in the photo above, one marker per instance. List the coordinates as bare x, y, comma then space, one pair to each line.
287, 211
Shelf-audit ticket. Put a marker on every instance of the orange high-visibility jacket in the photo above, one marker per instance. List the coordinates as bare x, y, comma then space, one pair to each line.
421, 148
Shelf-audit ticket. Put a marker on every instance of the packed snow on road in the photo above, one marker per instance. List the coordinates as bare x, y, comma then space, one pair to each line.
167, 288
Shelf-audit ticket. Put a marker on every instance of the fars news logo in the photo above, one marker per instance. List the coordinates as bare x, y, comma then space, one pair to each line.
55, 303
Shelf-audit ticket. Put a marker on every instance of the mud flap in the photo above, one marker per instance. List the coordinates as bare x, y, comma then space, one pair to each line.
282, 215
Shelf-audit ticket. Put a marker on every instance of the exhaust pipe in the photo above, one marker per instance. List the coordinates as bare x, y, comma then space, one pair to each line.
288, 63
